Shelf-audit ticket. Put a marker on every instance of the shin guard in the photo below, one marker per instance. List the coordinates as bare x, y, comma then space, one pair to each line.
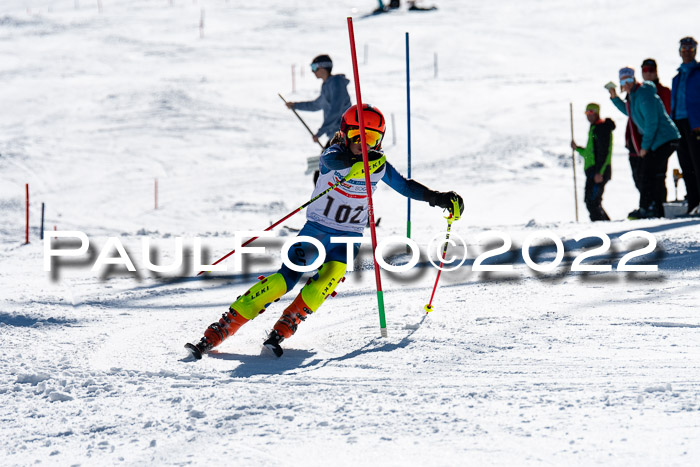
246, 307
311, 297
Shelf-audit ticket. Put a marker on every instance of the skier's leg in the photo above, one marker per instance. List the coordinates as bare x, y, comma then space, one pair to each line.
246, 307
311, 297
258, 297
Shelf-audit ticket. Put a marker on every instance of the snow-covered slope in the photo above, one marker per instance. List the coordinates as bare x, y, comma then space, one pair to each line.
511, 368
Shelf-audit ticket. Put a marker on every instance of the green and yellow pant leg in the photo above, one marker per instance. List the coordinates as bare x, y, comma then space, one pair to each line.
246, 307
311, 297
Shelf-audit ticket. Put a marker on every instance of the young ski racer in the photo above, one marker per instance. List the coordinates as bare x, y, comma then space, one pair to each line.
341, 213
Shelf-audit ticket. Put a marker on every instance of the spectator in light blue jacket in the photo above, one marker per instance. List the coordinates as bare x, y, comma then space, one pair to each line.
659, 139
334, 99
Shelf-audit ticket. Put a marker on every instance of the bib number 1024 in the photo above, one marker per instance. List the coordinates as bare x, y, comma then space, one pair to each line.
343, 212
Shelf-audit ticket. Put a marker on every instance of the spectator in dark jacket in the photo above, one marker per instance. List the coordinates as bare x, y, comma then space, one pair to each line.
659, 139
597, 156
685, 111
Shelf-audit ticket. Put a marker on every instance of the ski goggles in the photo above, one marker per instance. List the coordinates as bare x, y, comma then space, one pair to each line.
316, 66
372, 137
626, 81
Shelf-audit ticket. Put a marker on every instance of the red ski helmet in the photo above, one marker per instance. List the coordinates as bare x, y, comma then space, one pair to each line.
375, 124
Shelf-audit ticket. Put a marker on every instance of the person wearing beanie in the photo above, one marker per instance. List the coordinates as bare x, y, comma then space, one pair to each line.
649, 73
633, 141
685, 111
659, 139
334, 99
597, 157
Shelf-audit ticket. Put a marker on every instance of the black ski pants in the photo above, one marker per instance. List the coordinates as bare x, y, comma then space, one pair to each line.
636, 166
593, 196
654, 167
689, 160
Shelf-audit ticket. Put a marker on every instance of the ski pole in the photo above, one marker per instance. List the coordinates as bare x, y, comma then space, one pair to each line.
300, 208
429, 307
301, 120
573, 157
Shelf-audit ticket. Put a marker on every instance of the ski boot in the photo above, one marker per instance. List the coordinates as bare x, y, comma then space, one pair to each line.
286, 326
312, 296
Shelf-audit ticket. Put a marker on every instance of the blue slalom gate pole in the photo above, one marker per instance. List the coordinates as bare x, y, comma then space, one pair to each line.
408, 107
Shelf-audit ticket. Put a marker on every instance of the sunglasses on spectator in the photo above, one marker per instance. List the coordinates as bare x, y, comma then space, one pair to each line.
692, 48
626, 81
591, 112
648, 69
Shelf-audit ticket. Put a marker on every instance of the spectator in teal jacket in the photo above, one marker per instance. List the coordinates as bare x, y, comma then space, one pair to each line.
659, 139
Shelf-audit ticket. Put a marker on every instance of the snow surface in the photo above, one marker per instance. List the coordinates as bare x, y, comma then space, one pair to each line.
512, 368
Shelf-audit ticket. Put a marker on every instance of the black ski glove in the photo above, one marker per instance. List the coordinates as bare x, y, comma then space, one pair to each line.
448, 200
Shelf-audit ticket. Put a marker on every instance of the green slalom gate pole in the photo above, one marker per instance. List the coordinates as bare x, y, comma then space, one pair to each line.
368, 183
408, 121
300, 208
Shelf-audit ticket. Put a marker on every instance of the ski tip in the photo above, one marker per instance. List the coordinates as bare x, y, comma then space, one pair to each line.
276, 350
194, 351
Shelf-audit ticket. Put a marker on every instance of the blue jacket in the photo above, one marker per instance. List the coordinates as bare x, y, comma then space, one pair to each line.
334, 101
650, 116
691, 92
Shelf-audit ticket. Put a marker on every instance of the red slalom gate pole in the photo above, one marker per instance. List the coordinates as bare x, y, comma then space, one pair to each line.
27, 229
368, 183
